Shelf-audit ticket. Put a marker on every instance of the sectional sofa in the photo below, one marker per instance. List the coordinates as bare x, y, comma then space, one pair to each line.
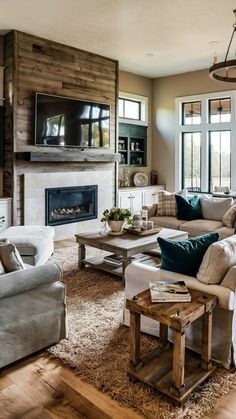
213, 222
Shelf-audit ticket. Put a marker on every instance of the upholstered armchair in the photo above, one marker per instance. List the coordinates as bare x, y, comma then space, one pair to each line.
32, 311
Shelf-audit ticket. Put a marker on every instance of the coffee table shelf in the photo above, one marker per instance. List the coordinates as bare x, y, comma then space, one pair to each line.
98, 262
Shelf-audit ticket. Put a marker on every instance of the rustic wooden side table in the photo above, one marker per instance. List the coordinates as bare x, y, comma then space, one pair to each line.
173, 371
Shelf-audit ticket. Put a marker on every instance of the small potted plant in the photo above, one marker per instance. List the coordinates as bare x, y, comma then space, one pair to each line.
115, 217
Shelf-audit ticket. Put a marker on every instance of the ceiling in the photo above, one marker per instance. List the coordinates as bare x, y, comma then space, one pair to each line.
176, 34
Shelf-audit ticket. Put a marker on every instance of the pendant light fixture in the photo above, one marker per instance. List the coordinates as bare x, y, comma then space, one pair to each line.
225, 71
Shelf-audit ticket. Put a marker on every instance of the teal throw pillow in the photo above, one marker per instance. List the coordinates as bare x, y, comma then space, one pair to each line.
188, 209
185, 256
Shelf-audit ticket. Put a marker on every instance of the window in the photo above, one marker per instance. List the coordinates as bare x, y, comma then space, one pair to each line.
205, 142
129, 109
133, 108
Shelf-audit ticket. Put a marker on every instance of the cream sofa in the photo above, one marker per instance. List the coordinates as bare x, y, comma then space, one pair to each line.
193, 228
216, 275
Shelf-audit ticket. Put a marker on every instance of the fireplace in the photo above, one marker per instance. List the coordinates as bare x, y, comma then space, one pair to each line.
70, 204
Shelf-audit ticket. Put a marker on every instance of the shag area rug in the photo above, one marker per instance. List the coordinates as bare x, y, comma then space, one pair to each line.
98, 346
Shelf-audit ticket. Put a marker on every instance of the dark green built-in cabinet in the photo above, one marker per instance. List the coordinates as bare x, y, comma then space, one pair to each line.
132, 145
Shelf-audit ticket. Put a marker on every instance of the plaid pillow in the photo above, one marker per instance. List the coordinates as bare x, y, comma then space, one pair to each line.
167, 203
230, 217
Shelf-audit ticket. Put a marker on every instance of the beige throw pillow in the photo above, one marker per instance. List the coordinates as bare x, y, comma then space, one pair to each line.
10, 257
167, 203
218, 259
230, 217
214, 208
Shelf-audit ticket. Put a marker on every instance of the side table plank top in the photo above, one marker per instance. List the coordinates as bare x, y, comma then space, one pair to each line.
166, 313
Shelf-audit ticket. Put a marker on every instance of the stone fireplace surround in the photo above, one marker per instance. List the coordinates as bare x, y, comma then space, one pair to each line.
34, 197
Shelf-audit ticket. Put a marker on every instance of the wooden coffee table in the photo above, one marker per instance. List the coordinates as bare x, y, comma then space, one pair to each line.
126, 245
174, 371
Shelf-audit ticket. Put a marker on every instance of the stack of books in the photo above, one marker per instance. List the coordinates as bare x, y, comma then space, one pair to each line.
113, 259
169, 291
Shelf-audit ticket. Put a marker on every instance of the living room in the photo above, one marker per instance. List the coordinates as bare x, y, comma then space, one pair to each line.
151, 122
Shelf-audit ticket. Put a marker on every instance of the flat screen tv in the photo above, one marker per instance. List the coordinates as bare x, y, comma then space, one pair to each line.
65, 122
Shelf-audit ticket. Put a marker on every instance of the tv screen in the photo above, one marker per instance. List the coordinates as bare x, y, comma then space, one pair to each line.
65, 122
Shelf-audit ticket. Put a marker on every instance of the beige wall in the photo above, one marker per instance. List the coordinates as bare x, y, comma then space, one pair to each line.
165, 90
142, 86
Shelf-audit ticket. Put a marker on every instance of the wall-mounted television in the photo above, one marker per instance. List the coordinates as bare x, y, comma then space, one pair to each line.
65, 122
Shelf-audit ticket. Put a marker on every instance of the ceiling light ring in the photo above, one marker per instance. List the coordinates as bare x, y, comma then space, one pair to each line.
218, 66
226, 64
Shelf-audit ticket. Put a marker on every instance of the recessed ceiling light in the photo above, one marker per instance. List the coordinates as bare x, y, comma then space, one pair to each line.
214, 43
149, 54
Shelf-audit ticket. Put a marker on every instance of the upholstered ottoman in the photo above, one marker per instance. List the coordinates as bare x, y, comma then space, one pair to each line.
35, 243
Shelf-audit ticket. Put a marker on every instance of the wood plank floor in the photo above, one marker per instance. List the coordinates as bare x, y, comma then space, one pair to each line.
40, 387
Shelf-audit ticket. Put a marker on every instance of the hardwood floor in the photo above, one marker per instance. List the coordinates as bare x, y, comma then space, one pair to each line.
40, 387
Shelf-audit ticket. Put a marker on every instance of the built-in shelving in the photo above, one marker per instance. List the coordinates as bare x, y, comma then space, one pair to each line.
132, 145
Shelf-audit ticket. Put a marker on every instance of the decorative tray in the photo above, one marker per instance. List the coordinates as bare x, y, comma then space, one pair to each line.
139, 232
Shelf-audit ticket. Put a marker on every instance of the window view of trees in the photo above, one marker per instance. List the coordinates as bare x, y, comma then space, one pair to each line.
219, 159
206, 142
192, 161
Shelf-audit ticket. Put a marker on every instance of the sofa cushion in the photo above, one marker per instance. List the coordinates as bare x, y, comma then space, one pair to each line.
230, 217
224, 232
10, 257
168, 222
188, 208
185, 256
200, 227
215, 208
217, 260
166, 202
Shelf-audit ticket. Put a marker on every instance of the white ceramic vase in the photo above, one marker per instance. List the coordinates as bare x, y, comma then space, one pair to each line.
116, 226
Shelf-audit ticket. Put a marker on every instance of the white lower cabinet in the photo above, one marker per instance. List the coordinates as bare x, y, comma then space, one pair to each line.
135, 198
5, 213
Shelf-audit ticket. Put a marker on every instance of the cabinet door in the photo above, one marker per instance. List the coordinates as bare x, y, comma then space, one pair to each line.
136, 201
5, 215
149, 197
125, 200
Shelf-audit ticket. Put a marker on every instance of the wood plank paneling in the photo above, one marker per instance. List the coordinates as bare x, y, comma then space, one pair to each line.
34, 64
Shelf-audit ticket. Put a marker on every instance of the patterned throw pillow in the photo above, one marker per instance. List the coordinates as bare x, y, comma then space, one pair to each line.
167, 203
230, 217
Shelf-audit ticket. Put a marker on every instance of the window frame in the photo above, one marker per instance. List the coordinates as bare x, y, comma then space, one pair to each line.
204, 127
143, 100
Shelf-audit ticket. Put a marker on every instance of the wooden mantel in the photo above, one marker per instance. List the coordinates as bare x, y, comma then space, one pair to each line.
77, 156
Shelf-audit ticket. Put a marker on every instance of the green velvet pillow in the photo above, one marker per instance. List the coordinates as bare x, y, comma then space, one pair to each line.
188, 209
185, 256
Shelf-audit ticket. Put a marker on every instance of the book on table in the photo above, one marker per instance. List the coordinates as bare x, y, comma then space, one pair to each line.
114, 259
169, 291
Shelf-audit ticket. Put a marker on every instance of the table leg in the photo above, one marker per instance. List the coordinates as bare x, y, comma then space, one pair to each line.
126, 261
81, 255
178, 362
134, 339
206, 363
163, 334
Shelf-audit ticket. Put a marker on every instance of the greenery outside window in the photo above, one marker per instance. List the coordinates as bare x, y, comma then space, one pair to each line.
205, 154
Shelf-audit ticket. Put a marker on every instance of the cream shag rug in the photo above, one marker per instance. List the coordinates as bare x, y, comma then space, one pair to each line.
98, 346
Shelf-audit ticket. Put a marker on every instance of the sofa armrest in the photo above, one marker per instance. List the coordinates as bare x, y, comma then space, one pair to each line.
138, 275
151, 209
21, 281
229, 281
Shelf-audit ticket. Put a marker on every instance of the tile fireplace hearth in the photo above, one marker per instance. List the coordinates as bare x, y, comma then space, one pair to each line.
36, 185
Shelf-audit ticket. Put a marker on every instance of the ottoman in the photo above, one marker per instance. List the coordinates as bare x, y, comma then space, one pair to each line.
35, 243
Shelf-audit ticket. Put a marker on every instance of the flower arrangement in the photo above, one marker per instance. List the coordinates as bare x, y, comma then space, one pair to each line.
117, 214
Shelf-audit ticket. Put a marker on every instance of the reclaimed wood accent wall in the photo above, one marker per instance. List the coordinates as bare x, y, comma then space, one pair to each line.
34, 64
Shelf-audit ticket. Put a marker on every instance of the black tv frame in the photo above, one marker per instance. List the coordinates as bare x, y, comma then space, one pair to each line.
69, 146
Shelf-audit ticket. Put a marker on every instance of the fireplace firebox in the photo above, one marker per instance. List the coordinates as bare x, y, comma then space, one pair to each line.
70, 204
